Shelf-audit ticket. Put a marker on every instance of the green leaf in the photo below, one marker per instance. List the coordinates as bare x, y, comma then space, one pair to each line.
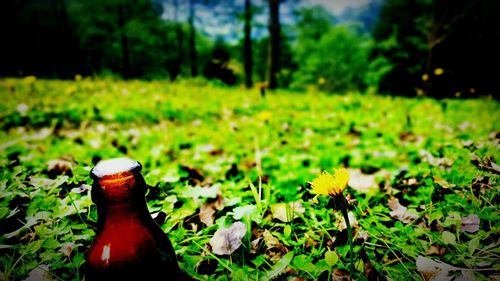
331, 258
201, 192
4, 211
473, 245
277, 268
247, 212
287, 231
452, 219
448, 237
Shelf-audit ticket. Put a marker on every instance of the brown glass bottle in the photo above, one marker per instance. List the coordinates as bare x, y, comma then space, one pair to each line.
128, 244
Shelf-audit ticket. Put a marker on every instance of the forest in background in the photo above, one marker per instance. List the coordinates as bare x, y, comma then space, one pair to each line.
436, 48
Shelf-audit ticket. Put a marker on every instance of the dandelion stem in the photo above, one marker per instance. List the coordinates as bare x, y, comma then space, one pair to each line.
349, 237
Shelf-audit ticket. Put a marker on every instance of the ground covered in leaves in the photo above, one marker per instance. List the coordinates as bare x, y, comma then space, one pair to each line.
423, 184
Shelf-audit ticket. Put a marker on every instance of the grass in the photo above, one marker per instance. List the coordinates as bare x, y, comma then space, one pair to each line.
200, 142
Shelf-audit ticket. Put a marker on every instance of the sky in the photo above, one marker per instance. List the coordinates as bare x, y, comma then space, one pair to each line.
209, 21
338, 6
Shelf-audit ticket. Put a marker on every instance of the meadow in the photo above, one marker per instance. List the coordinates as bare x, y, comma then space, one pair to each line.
423, 189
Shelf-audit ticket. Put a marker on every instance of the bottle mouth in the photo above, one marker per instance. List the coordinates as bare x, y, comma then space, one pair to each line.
115, 166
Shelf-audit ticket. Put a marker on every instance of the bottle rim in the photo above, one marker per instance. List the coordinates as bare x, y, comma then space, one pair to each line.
115, 166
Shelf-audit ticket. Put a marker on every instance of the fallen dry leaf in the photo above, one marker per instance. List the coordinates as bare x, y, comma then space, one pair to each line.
494, 277
436, 250
226, 241
41, 273
434, 161
274, 248
340, 275
470, 224
439, 271
352, 221
58, 167
400, 212
443, 183
287, 212
82, 188
208, 209
433, 270
255, 245
486, 163
67, 248
361, 182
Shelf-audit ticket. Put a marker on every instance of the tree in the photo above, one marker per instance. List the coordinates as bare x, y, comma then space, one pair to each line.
274, 44
38, 39
439, 48
462, 48
123, 37
123, 40
176, 68
247, 45
400, 38
192, 41
338, 61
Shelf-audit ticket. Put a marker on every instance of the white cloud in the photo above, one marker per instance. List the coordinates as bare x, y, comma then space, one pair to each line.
337, 6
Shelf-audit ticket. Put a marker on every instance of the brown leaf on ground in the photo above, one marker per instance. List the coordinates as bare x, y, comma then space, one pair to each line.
400, 212
255, 245
226, 241
443, 183
81, 188
59, 167
439, 271
436, 250
487, 163
470, 224
494, 277
352, 220
435, 161
365, 183
194, 177
370, 271
340, 275
361, 182
67, 249
407, 136
274, 248
209, 208
481, 185
287, 212
41, 273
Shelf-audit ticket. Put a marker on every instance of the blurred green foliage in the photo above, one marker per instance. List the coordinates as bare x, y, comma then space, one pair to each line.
334, 58
436, 48
198, 141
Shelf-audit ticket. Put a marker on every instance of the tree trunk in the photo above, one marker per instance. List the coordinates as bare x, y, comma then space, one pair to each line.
247, 46
176, 69
192, 42
124, 43
274, 44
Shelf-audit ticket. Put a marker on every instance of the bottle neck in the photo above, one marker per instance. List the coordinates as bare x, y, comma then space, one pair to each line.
126, 188
126, 211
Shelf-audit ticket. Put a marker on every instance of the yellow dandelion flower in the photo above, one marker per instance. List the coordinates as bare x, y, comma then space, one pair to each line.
425, 77
333, 185
321, 81
328, 184
264, 116
29, 80
438, 71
